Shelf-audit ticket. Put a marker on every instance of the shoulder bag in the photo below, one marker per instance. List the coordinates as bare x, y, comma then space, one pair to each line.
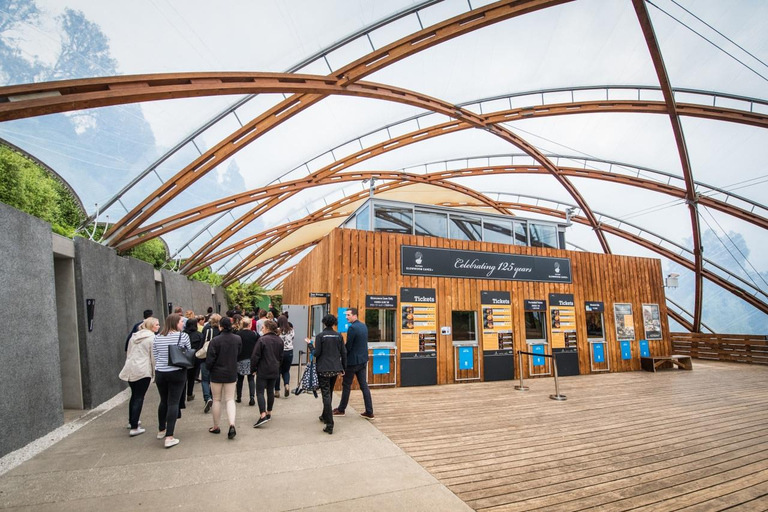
181, 357
203, 352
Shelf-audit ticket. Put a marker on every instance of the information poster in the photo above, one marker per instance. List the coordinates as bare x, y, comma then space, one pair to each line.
497, 317
418, 319
598, 352
562, 316
652, 321
625, 322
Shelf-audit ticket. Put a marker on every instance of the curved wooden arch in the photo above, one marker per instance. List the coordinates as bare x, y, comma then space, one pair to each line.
194, 214
434, 178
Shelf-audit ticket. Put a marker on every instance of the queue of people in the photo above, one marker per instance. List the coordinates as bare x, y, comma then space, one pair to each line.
230, 350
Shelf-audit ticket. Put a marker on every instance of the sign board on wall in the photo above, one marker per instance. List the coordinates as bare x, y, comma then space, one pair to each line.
381, 301
625, 322
652, 321
562, 316
418, 319
595, 306
534, 305
497, 317
430, 261
342, 319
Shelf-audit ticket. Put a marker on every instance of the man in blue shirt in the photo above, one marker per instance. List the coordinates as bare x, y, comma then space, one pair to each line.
357, 365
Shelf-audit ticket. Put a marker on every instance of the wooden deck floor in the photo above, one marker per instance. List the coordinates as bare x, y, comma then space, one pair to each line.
674, 440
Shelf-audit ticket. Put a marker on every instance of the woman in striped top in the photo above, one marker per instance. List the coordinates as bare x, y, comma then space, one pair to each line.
170, 380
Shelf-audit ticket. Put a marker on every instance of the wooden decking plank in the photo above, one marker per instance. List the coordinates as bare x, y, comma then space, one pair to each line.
717, 497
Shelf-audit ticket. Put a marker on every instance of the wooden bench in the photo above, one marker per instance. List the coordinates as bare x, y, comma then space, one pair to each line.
650, 364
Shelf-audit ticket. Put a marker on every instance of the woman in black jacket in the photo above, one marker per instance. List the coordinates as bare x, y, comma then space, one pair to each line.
244, 360
210, 331
265, 362
331, 360
196, 340
221, 362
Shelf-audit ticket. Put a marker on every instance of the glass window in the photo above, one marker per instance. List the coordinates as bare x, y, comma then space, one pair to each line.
497, 231
466, 228
381, 324
463, 326
543, 236
535, 328
393, 220
521, 237
363, 219
431, 224
595, 324
318, 312
350, 224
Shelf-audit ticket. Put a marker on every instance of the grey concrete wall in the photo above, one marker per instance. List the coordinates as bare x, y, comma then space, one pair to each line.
201, 296
100, 275
221, 296
30, 380
139, 285
69, 340
177, 290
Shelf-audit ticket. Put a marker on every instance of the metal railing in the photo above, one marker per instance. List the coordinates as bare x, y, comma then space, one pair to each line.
557, 396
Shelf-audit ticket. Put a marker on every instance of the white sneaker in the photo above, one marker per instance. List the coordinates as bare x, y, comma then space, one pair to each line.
171, 442
137, 432
161, 434
129, 425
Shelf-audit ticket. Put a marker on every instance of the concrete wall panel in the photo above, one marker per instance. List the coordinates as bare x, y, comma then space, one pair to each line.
31, 403
139, 285
177, 290
201, 296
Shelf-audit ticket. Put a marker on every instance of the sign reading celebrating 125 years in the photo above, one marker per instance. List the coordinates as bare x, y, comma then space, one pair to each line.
428, 261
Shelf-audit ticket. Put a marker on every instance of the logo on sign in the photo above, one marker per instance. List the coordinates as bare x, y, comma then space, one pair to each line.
419, 258
557, 268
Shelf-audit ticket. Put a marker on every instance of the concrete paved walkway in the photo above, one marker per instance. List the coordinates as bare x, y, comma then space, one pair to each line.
288, 464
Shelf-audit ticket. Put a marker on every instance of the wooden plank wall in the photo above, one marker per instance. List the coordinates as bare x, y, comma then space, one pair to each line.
351, 264
742, 348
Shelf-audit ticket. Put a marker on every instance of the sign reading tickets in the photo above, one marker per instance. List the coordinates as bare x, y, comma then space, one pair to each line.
497, 317
418, 319
429, 261
625, 322
562, 314
652, 321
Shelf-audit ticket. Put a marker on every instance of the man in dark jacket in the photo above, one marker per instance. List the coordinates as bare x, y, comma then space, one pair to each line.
147, 314
357, 365
265, 363
331, 359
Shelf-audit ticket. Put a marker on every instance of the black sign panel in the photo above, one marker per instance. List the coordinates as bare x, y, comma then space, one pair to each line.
561, 299
418, 295
170, 308
428, 261
495, 298
594, 306
319, 294
535, 305
381, 301
90, 308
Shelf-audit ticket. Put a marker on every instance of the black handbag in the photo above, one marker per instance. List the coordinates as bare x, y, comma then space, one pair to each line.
181, 357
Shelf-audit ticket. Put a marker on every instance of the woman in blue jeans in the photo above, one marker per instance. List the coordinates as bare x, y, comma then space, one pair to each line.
210, 331
285, 330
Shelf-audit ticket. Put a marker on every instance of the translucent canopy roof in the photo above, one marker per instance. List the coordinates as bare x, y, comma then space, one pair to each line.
646, 120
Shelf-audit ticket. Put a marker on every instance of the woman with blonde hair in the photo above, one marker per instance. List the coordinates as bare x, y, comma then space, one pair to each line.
139, 369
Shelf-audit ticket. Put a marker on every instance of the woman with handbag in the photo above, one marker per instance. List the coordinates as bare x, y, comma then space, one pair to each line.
139, 370
331, 357
170, 380
196, 340
221, 361
210, 331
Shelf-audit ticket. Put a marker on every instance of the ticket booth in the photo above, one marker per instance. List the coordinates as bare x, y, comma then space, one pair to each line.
598, 347
380, 318
536, 337
417, 318
497, 335
564, 341
466, 357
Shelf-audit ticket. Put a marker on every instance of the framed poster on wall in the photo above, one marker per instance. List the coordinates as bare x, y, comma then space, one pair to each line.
625, 322
652, 321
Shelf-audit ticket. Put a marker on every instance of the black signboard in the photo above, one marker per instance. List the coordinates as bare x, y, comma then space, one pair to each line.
594, 306
418, 295
90, 307
381, 301
561, 299
535, 305
428, 261
495, 298
170, 308
319, 294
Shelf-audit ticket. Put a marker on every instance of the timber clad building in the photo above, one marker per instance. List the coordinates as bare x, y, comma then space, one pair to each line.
444, 309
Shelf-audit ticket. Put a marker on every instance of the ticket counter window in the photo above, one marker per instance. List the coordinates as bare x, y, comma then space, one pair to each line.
595, 325
536, 338
465, 346
464, 326
381, 325
535, 325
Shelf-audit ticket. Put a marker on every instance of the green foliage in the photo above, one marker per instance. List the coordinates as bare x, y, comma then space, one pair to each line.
206, 275
151, 251
247, 295
29, 188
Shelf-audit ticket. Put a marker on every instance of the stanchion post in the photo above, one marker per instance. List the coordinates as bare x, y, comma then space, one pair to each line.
557, 395
521, 387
